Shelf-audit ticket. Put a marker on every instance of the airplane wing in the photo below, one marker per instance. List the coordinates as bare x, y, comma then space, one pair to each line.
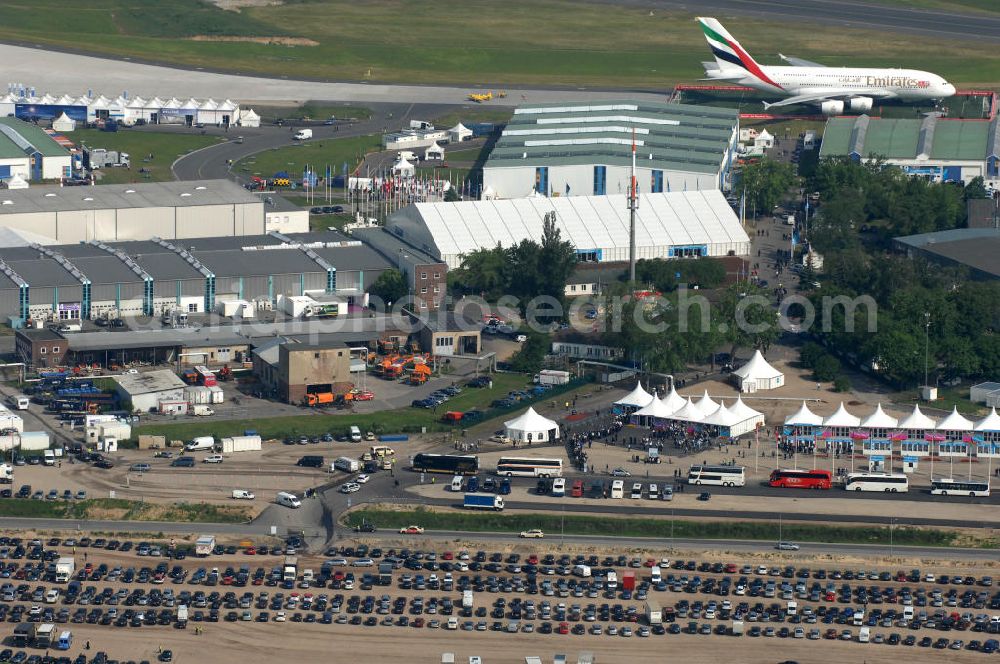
799, 62
824, 96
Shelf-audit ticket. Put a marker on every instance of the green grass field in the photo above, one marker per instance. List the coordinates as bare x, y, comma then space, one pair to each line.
555, 42
659, 530
318, 154
405, 420
165, 148
126, 510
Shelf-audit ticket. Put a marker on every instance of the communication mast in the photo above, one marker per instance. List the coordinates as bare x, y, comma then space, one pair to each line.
633, 205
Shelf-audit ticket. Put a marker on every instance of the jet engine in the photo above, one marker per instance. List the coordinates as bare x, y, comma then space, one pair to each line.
832, 107
861, 104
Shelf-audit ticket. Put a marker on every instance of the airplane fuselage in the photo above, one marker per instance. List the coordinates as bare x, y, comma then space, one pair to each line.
904, 84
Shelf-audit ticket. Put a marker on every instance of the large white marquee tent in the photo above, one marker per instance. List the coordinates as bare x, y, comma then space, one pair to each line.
757, 374
530, 427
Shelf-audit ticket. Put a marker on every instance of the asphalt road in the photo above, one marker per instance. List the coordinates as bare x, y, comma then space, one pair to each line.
213, 162
872, 16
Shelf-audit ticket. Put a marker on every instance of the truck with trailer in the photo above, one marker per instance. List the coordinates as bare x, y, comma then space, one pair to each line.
204, 545
551, 377
65, 568
482, 501
240, 444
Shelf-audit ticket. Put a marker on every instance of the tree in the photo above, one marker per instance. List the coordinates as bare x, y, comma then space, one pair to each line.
842, 384
765, 183
809, 353
748, 323
390, 287
484, 272
451, 196
827, 367
556, 260
532, 352
976, 188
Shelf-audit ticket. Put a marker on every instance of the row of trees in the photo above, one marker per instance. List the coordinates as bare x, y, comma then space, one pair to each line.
666, 275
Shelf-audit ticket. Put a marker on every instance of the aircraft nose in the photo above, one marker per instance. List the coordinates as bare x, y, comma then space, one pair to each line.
949, 89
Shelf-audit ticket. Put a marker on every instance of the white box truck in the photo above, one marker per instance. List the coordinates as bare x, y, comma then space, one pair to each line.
243, 494
20, 401
65, 567
6, 473
240, 444
290, 570
204, 545
346, 464
737, 629
182, 613
468, 599
864, 635
199, 410
201, 444
654, 612
303, 134
551, 377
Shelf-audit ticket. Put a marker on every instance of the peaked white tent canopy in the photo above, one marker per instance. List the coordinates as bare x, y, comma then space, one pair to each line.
758, 374
672, 400
64, 123
249, 118
722, 417
917, 421
880, 420
434, 152
706, 405
637, 398
989, 423
748, 419
804, 417
655, 410
17, 182
842, 418
955, 422
459, 133
530, 427
688, 413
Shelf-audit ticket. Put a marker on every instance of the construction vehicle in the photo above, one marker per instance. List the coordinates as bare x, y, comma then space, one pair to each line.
225, 373
480, 97
419, 374
320, 399
281, 179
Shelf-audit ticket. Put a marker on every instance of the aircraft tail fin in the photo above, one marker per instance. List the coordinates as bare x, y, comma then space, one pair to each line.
727, 51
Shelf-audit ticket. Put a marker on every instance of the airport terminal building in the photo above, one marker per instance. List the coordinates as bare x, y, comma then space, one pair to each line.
585, 149
939, 149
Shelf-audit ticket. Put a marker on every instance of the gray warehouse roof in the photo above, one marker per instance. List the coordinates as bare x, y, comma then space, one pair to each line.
123, 196
975, 248
668, 136
149, 381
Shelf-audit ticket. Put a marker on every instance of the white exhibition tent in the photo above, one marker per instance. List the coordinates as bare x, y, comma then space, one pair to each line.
842, 418
955, 422
917, 421
722, 417
459, 133
989, 423
655, 410
672, 400
530, 427
706, 405
64, 123
748, 419
434, 152
404, 168
249, 118
758, 374
688, 413
637, 398
17, 182
881, 420
804, 417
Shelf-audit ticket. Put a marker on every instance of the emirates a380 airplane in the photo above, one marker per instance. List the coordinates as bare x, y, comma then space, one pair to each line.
831, 88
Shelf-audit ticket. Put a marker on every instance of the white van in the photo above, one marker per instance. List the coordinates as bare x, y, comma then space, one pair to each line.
582, 571
355, 434
611, 582
655, 576
20, 401
618, 489
242, 494
201, 443
559, 487
288, 500
654, 492
456, 483
49, 458
636, 490
864, 635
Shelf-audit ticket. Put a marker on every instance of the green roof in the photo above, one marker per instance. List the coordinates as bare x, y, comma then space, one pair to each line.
33, 135
937, 138
668, 136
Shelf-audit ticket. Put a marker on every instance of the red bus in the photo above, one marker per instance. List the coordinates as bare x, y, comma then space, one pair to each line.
801, 479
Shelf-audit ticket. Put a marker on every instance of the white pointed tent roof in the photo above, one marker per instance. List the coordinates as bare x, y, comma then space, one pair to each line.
742, 410
989, 423
137, 102
637, 398
155, 103
723, 417
917, 420
121, 101
656, 409
9, 99
672, 400
879, 420
64, 123
65, 100
83, 100
228, 105
191, 103
249, 113
434, 147
209, 105
100, 102
757, 367
47, 99
706, 405
460, 129
17, 182
955, 422
529, 420
688, 413
173, 102
403, 166
804, 416
842, 418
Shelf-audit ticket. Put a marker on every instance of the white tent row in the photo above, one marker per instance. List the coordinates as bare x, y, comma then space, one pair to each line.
731, 421
916, 421
127, 109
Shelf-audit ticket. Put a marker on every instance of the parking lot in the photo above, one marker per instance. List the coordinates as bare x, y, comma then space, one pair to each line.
535, 599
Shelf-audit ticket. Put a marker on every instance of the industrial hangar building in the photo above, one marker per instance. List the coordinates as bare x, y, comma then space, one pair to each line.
28, 152
586, 149
973, 248
940, 149
668, 225
115, 213
96, 279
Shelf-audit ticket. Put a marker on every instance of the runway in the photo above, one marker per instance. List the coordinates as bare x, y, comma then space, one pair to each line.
872, 16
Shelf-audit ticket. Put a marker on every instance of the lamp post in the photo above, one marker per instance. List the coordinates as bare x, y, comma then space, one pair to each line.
927, 343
